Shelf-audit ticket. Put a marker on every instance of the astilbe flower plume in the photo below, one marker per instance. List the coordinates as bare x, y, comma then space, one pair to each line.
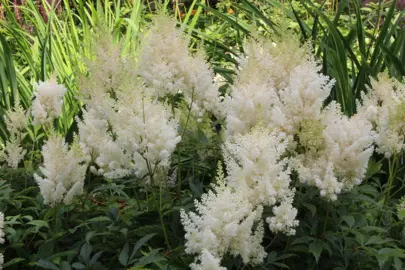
255, 165
47, 102
276, 123
257, 177
63, 171
167, 68
16, 122
277, 85
124, 129
108, 72
224, 222
384, 107
336, 152
13, 151
285, 92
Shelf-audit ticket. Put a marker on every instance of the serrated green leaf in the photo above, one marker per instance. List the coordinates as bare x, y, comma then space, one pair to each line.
303, 240
94, 259
47, 264
139, 244
151, 257
401, 214
375, 240
85, 252
350, 221
39, 223
311, 208
360, 238
392, 252
315, 248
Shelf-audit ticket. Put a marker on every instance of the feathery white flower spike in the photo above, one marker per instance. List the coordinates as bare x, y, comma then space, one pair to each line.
167, 68
64, 171
14, 152
384, 107
124, 129
16, 120
48, 100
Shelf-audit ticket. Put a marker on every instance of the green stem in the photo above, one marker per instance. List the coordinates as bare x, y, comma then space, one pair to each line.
325, 224
286, 246
56, 217
179, 147
11, 176
392, 164
271, 242
159, 206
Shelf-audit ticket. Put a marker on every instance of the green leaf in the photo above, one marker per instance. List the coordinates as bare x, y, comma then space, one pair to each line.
64, 254
151, 257
401, 214
303, 240
139, 244
260, 14
376, 240
95, 258
373, 168
397, 264
280, 265
47, 264
99, 219
310, 207
360, 238
124, 255
39, 224
64, 265
85, 252
78, 266
350, 221
12, 262
315, 248
392, 252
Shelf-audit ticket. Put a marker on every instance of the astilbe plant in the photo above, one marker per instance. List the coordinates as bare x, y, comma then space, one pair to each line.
16, 121
384, 107
47, 101
63, 172
276, 124
168, 68
124, 129
279, 133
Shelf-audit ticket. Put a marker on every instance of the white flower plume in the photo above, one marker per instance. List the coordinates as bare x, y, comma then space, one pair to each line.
64, 171
48, 100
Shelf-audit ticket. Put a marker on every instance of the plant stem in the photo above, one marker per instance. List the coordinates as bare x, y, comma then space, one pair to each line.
179, 147
271, 242
392, 164
55, 218
159, 206
325, 224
